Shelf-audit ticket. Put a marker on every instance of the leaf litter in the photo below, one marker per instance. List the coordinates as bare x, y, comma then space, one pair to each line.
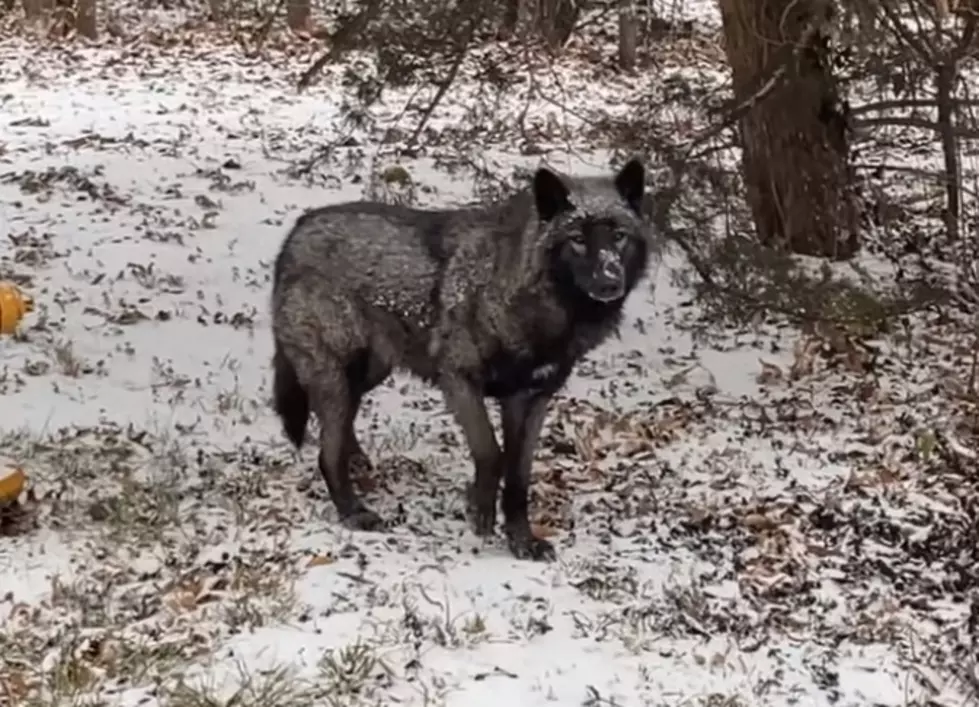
787, 522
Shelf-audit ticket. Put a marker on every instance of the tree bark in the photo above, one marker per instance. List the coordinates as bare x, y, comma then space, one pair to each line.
551, 20
62, 18
556, 21
297, 14
945, 82
508, 19
86, 18
38, 9
795, 144
527, 12
216, 8
628, 35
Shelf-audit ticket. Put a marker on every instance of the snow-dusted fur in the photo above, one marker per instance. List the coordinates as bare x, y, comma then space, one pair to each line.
495, 301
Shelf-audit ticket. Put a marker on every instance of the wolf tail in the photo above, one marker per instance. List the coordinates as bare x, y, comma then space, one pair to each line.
289, 398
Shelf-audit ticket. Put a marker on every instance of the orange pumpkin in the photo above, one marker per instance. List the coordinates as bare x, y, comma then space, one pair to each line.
14, 306
12, 483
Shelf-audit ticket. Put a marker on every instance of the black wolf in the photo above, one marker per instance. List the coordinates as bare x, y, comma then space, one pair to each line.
497, 301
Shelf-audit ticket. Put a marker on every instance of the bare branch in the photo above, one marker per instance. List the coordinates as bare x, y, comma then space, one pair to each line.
918, 42
966, 43
921, 123
444, 84
899, 104
340, 40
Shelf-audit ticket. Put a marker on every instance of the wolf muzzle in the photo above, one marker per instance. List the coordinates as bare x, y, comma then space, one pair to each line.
608, 278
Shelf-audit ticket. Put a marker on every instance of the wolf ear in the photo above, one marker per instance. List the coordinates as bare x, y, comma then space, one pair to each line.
630, 182
550, 194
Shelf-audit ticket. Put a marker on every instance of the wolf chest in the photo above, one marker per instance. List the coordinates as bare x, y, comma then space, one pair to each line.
506, 373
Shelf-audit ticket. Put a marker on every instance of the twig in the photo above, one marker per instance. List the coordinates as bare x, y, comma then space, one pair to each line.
262, 33
445, 84
340, 42
898, 104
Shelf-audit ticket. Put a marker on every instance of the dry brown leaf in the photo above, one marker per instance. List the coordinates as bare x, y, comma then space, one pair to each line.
182, 600
543, 531
678, 378
623, 425
804, 351
319, 561
759, 521
887, 476
700, 514
583, 448
769, 372
14, 686
867, 390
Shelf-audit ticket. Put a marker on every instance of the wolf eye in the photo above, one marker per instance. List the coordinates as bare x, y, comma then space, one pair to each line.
621, 237
578, 242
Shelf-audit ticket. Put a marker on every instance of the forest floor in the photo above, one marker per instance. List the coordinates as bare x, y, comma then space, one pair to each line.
763, 517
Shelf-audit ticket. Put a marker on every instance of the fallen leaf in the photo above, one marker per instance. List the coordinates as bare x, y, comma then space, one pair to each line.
804, 352
543, 531
757, 521
320, 560
14, 685
769, 372
678, 378
181, 600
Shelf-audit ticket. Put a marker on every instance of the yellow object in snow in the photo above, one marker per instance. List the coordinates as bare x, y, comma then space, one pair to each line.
11, 485
14, 306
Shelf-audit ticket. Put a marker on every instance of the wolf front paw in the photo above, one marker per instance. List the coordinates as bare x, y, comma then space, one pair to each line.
481, 511
526, 546
482, 521
362, 519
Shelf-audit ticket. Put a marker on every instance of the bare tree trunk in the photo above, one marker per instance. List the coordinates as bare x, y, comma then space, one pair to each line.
519, 17
551, 20
527, 14
945, 85
36, 9
628, 35
86, 18
297, 14
510, 19
556, 21
795, 147
216, 8
61, 16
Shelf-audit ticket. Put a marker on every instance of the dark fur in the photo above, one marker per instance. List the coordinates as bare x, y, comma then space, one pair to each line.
499, 301
289, 398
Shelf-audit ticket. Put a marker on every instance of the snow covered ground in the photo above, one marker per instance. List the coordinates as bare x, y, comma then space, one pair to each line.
739, 523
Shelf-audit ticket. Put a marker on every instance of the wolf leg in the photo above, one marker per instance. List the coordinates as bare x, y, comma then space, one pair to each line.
467, 405
364, 373
359, 461
290, 399
523, 418
336, 407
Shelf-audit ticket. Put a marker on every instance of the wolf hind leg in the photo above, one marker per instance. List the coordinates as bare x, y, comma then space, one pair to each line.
290, 400
336, 404
365, 372
359, 461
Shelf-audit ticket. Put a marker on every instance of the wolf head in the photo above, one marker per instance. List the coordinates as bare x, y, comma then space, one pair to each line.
593, 232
